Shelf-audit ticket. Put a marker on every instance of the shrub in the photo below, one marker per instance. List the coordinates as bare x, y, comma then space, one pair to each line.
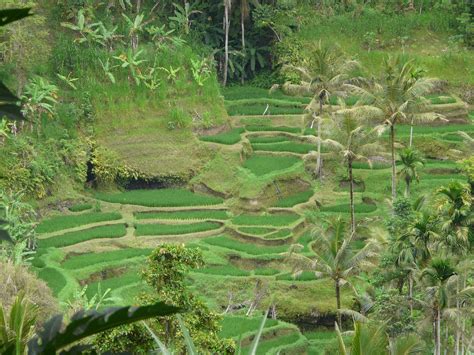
190, 214
58, 223
229, 138
160, 198
71, 238
174, 229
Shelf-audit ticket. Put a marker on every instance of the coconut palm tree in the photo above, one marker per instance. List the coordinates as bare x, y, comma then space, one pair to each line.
436, 277
354, 142
336, 256
457, 216
411, 161
328, 71
396, 96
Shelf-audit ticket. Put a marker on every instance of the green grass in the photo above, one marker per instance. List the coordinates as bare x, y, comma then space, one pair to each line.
58, 223
344, 208
160, 198
80, 207
244, 92
264, 164
259, 109
229, 243
276, 220
265, 271
269, 139
282, 233
53, 278
71, 238
256, 230
292, 147
183, 215
304, 276
295, 199
83, 260
174, 229
234, 326
224, 270
267, 128
229, 138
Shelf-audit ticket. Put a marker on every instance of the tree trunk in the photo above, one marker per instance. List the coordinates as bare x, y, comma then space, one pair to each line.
438, 330
338, 304
394, 168
351, 195
242, 25
411, 131
458, 323
410, 294
319, 163
407, 188
226, 44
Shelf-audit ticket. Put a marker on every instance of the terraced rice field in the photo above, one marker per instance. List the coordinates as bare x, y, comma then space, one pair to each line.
244, 238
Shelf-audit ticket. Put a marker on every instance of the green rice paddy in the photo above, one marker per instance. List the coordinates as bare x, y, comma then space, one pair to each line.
59, 223
184, 215
174, 229
229, 138
277, 220
264, 164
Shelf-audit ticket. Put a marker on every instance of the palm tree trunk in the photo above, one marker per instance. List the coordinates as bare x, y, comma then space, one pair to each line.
410, 293
411, 131
458, 323
226, 45
319, 164
351, 195
242, 25
394, 169
338, 304
438, 330
407, 188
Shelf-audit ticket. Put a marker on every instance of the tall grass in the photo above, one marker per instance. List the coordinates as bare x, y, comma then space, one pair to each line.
58, 223
174, 229
71, 238
160, 198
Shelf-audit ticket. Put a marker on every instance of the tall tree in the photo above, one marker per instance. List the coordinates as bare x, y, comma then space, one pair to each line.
227, 10
399, 92
337, 256
354, 142
325, 74
411, 161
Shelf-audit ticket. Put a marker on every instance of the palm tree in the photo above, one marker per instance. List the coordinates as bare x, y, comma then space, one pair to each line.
336, 256
436, 277
398, 94
227, 9
325, 75
354, 142
411, 162
457, 216
372, 339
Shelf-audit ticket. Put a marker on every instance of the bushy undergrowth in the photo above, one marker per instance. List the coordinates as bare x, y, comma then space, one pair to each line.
264, 164
174, 229
160, 198
295, 199
276, 220
71, 238
58, 223
88, 259
177, 215
229, 138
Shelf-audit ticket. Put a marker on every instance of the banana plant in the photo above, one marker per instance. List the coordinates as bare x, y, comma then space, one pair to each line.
105, 36
182, 16
107, 68
171, 73
4, 130
69, 80
85, 30
200, 70
150, 78
132, 61
135, 26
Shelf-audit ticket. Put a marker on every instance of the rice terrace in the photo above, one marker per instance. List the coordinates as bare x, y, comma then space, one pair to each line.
237, 177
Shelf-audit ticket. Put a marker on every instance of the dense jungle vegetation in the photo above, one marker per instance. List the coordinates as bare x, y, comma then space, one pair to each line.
237, 176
